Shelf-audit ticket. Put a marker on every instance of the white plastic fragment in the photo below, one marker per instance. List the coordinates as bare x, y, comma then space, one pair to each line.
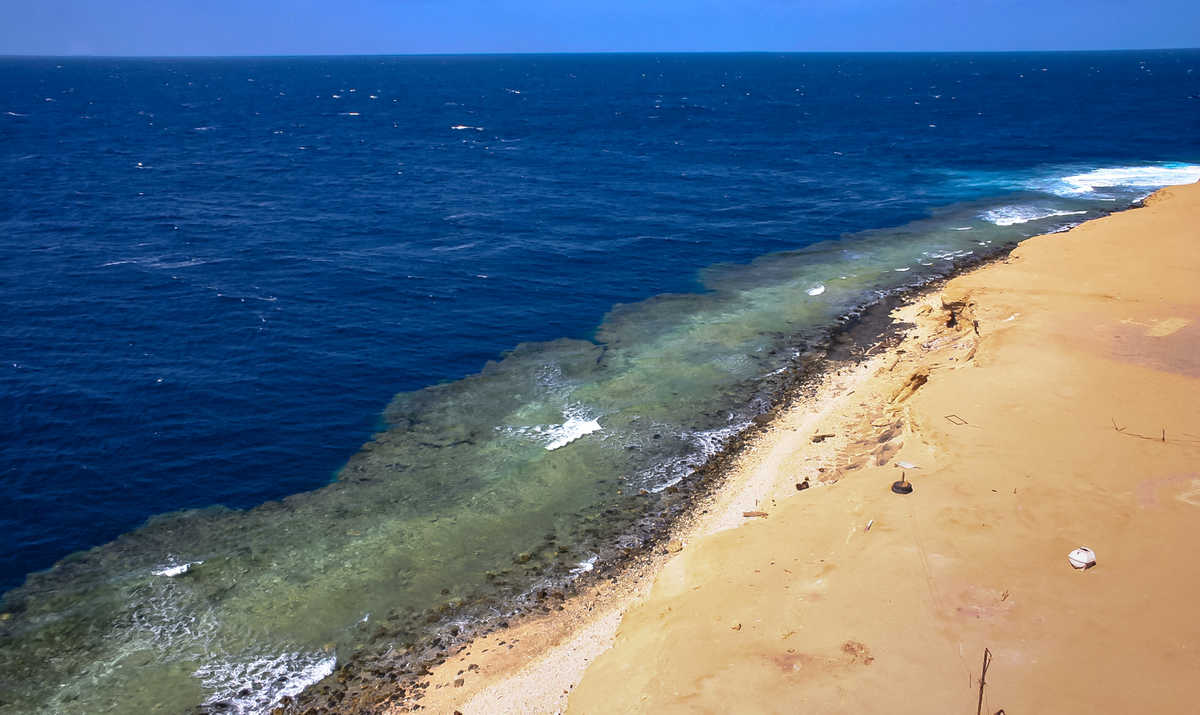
1082, 558
906, 465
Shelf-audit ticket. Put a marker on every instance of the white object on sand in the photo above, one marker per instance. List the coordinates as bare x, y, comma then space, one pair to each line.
907, 465
1082, 558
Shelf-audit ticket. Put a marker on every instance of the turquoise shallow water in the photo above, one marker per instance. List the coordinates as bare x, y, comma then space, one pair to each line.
580, 289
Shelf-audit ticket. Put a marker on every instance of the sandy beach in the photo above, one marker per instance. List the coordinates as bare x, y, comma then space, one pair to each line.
1044, 402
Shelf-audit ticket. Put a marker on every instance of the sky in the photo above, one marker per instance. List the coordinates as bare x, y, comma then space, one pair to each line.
274, 27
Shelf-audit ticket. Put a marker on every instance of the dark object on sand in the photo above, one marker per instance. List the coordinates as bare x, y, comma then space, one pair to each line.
903, 486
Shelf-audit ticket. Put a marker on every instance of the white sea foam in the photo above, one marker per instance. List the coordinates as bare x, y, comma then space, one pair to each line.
1152, 176
569, 431
948, 255
579, 423
461, 127
584, 566
253, 686
818, 290
706, 444
1013, 215
175, 570
964, 228
162, 622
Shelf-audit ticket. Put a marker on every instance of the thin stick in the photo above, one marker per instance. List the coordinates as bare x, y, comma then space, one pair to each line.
987, 660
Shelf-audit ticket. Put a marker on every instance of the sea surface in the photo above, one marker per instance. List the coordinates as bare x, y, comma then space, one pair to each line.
305, 361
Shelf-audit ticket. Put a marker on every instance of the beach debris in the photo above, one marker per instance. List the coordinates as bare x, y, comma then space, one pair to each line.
910, 386
674, 546
955, 420
858, 651
736, 626
987, 660
906, 465
903, 486
801, 486
754, 514
1082, 558
821, 437
869, 525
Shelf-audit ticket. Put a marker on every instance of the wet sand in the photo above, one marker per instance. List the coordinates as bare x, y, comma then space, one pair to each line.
1047, 401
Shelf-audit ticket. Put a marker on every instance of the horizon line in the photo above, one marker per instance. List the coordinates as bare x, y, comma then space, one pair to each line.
31, 55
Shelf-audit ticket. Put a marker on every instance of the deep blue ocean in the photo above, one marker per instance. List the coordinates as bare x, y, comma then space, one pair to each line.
217, 274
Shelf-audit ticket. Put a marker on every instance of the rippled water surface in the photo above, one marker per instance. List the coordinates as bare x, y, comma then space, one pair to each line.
409, 336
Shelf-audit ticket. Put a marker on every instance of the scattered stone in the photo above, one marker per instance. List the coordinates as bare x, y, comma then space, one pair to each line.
459, 682
822, 436
858, 652
674, 546
801, 486
523, 557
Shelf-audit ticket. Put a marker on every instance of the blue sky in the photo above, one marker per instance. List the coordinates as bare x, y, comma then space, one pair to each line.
269, 27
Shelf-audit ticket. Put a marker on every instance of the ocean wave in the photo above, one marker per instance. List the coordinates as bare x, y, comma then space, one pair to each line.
584, 566
1151, 176
1012, 215
705, 444
578, 423
173, 570
253, 686
569, 431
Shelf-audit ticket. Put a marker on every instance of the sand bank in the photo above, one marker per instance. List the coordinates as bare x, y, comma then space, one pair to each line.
1048, 401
